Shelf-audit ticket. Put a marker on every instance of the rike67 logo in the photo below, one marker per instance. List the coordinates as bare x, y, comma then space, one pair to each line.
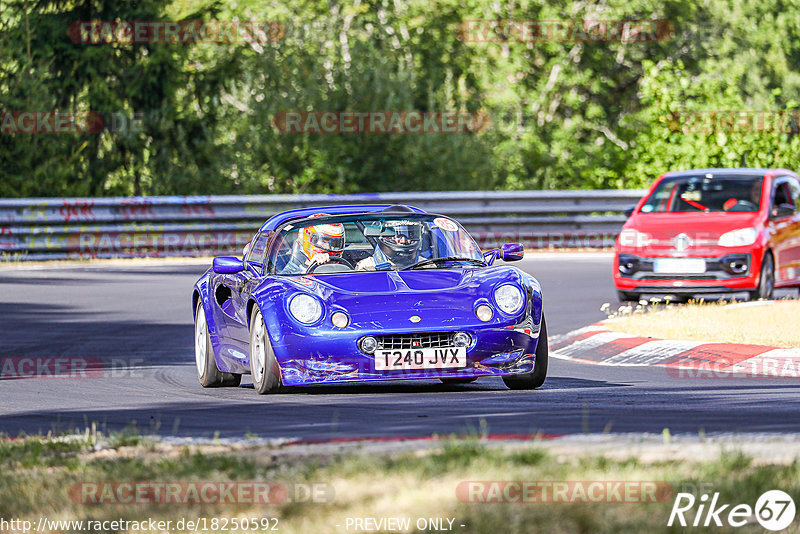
774, 510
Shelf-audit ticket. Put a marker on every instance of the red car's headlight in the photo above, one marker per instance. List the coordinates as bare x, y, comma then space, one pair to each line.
738, 238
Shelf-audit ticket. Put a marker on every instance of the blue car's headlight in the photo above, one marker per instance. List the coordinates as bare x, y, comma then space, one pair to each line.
509, 298
305, 308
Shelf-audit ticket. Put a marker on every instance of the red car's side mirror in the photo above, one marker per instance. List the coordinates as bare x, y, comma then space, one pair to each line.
783, 210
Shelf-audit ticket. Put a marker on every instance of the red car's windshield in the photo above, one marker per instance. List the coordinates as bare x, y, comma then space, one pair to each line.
705, 193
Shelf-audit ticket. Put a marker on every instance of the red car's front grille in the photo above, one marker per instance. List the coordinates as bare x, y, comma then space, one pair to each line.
679, 277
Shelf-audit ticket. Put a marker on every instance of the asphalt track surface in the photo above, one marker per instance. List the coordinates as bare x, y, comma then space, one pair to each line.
135, 321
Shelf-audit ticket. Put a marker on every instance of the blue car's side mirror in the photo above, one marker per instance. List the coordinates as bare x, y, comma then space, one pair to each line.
227, 265
512, 251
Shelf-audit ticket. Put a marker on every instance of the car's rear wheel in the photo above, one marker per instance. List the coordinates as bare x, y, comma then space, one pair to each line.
766, 280
536, 378
263, 365
207, 372
628, 296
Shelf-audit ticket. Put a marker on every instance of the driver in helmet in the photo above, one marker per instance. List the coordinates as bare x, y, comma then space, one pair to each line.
315, 244
399, 245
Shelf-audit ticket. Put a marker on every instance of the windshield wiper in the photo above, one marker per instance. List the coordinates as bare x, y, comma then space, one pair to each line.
438, 260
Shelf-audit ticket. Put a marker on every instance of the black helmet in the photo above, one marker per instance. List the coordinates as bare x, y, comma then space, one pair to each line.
401, 242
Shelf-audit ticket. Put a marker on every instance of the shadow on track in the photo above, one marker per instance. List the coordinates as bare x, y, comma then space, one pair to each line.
50, 331
434, 386
422, 411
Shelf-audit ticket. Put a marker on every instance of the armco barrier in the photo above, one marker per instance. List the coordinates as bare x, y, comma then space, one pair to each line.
41, 229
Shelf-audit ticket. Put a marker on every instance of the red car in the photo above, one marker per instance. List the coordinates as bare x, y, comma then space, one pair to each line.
712, 231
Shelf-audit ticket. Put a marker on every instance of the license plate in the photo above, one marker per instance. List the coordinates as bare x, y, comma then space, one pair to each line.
420, 359
680, 265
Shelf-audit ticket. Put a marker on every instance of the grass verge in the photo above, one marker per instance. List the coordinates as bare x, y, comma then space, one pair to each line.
38, 474
759, 323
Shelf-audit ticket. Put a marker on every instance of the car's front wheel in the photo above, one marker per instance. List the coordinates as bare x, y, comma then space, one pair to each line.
537, 377
766, 281
263, 365
207, 372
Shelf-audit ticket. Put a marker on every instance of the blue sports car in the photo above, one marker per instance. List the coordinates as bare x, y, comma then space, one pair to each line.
367, 292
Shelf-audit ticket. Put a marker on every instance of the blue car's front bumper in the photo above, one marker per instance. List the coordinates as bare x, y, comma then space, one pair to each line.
401, 303
310, 361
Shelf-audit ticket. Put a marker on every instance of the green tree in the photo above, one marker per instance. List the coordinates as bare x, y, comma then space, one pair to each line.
170, 147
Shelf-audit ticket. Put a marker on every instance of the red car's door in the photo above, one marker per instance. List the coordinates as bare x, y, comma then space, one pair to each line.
793, 253
784, 228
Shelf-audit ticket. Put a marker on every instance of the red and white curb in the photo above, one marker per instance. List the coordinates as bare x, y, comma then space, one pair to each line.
683, 359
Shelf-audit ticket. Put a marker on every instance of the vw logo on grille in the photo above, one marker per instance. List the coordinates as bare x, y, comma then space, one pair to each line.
681, 242
414, 319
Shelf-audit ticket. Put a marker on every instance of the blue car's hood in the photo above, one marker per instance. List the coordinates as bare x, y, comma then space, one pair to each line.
441, 298
395, 281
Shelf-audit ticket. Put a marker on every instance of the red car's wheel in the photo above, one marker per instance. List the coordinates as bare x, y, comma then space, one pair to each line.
766, 280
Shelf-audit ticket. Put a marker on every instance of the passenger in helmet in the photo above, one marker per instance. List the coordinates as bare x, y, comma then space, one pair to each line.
399, 246
315, 244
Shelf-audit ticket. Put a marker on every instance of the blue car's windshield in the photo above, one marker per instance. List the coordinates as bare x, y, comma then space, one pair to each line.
380, 242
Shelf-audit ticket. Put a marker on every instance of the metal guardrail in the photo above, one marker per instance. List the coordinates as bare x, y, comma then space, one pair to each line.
65, 228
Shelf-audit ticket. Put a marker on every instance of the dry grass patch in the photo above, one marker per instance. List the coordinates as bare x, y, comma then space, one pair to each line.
759, 323
371, 484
